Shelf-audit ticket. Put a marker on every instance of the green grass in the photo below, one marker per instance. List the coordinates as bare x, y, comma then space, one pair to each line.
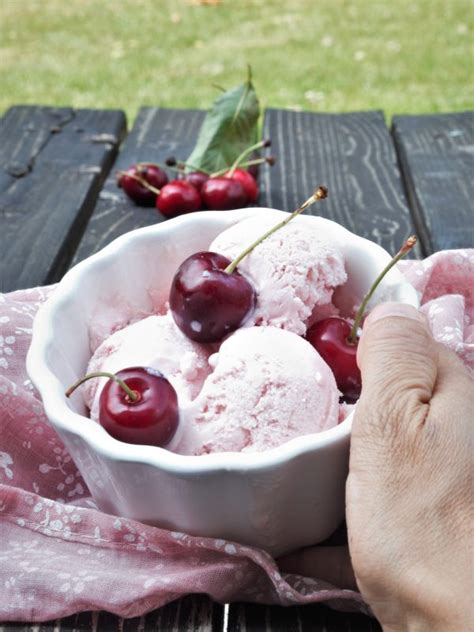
402, 56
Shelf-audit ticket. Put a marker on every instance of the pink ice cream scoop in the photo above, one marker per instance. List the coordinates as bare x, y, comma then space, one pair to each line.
293, 271
267, 387
154, 342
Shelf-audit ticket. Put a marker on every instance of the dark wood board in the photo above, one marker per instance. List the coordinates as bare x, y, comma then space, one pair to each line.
353, 155
156, 134
199, 614
192, 613
52, 164
436, 155
314, 618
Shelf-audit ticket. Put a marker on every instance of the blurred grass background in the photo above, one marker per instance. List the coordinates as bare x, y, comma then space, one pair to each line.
323, 55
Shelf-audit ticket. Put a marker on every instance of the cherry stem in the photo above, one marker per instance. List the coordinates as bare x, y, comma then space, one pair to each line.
142, 181
248, 163
132, 395
407, 246
187, 165
246, 152
319, 194
157, 164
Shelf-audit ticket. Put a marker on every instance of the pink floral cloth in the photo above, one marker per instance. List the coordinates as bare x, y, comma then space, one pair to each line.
60, 555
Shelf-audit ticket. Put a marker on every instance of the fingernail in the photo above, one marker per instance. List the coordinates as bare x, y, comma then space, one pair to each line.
388, 310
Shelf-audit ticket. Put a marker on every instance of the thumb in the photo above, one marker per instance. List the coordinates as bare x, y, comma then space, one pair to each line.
398, 359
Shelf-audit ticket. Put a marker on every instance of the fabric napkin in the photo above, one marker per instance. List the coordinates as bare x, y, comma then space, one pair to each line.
60, 555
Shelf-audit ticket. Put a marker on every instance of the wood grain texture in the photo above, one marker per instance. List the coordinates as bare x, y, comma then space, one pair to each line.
52, 164
436, 155
195, 613
313, 618
157, 134
353, 155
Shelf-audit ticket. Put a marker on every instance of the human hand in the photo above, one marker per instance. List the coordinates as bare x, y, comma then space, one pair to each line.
409, 490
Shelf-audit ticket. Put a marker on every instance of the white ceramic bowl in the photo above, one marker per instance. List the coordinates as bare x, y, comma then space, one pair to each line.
279, 500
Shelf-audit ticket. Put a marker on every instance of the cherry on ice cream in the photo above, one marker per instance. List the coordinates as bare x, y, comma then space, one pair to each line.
336, 339
209, 298
207, 302
330, 339
137, 405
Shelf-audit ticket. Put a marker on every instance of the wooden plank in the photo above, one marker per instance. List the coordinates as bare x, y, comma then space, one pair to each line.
353, 155
52, 164
436, 154
157, 134
332, 621
78, 623
312, 618
196, 613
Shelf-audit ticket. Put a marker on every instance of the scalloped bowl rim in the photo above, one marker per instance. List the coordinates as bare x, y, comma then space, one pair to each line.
92, 433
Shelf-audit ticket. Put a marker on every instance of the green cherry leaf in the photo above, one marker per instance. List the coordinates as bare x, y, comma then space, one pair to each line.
230, 126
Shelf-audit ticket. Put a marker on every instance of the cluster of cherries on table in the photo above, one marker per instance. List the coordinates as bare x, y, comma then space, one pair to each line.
209, 299
147, 184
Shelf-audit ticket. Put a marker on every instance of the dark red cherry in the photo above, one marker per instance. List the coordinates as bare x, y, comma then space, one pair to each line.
178, 197
134, 181
137, 405
330, 338
206, 302
152, 419
223, 194
153, 174
247, 181
209, 298
336, 339
196, 178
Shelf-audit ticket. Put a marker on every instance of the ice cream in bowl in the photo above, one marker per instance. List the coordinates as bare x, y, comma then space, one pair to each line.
255, 439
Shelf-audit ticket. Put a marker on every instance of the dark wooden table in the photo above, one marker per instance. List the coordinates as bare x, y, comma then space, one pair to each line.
59, 204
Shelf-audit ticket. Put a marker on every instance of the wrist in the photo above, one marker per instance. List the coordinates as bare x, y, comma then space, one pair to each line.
434, 617
425, 624
418, 597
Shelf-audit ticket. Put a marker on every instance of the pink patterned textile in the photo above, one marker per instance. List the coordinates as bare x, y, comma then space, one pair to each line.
60, 555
